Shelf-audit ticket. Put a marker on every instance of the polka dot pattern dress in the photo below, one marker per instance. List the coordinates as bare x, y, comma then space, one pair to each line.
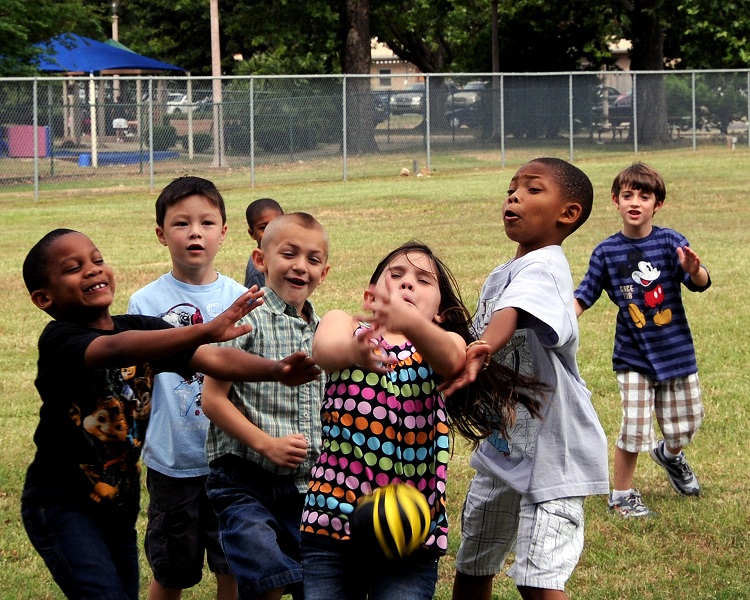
379, 429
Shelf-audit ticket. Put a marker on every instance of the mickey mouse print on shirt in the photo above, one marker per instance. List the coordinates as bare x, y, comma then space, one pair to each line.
646, 278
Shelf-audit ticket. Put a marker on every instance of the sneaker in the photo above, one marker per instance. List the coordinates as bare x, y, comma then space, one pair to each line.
630, 506
681, 476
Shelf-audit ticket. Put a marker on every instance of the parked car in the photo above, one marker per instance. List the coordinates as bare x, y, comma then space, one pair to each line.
176, 103
621, 110
619, 106
204, 106
381, 105
411, 100
467, 106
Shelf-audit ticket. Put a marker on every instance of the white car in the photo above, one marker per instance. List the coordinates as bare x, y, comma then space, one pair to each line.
177, 103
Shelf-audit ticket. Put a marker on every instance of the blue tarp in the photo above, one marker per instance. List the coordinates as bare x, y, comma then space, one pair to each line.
70, 53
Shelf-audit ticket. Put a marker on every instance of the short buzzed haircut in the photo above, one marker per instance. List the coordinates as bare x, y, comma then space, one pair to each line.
181, 188
639, 176
258, 207
575, 186
303, 219
36, 263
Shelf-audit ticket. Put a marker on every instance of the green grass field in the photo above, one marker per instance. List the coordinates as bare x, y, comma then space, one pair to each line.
696, 549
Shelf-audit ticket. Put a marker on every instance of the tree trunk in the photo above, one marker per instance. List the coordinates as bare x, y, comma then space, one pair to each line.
648, 55
360, 116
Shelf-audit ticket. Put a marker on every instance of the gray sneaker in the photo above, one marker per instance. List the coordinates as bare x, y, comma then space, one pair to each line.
681, 476
629, 507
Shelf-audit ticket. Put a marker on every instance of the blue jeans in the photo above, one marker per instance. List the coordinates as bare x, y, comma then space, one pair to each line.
337, 569
90, 556
259, 518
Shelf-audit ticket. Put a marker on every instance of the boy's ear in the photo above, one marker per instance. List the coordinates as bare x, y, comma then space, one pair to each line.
160, 236
657, 206
41, 299
258, 260
324, 274
616, 200
570, 214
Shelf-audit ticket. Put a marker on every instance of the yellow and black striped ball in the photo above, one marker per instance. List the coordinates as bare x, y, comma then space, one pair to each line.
395, 517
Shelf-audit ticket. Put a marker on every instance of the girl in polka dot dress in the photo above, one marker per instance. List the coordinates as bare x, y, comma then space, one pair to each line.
384, 421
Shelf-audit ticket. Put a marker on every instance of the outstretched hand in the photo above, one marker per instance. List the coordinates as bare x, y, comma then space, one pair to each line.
476, 357
389, 310
689, 261
296, 369
369, 351
224, 327
288, 451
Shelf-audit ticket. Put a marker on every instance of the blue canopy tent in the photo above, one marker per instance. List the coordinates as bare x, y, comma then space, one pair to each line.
73, 54
70, 53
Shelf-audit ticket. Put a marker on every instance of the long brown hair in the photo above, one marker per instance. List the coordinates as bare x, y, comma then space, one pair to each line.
489, 403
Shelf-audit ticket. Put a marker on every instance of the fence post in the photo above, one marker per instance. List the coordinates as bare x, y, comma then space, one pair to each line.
570, 113
252, 131
695, 121
634, 124
35, 133
502, 121
343, 125
427, 122
151, 133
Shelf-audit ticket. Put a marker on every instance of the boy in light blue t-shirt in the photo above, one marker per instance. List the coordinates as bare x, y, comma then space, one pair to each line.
182, 527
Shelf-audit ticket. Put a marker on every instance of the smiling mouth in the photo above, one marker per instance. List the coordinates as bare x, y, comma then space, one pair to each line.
296, 281
96, 287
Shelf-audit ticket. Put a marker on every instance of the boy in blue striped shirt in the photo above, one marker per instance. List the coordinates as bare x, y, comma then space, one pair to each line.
641, 269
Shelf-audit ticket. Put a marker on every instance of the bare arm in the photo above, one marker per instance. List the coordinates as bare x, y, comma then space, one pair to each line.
579, 307
691, 264
444, 351
336, 347
288, 451
499, 332
233, 364
136, 346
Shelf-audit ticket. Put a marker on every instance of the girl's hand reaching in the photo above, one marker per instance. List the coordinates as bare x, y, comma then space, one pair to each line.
389, 310
368, 352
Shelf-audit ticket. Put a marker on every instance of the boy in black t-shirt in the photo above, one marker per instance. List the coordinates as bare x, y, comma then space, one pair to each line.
95, 371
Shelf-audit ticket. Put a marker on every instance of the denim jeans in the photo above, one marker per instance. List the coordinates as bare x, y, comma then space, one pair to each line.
259, 518
90, 556
337, 569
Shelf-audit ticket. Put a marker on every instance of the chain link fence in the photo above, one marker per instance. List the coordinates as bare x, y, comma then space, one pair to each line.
63, 132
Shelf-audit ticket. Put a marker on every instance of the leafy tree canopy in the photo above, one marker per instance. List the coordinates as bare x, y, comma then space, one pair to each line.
24, 23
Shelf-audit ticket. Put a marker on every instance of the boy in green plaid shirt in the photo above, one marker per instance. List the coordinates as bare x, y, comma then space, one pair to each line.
264, 437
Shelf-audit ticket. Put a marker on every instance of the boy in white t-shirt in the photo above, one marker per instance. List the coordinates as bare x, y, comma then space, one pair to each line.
527, 495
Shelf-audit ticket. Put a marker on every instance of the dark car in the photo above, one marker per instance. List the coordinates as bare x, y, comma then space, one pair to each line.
619, 107
621, 110
410, 100
467, 106
381, 105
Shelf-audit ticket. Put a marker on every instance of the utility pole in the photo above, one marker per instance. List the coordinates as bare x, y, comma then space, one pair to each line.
219, 160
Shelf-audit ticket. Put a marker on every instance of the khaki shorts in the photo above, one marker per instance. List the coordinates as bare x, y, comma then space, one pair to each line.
676, 403
547, 538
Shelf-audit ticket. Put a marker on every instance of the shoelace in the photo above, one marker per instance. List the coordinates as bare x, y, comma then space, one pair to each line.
681, 465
